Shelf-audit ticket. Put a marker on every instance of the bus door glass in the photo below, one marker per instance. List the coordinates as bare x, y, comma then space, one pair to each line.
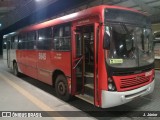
79, 61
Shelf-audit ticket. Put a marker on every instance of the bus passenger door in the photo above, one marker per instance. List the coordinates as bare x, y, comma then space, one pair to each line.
84, 63
78, 62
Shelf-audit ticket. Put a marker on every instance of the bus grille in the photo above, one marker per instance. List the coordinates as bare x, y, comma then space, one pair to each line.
130, 82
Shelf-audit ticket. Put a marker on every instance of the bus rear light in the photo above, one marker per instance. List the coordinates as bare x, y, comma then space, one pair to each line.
111, 85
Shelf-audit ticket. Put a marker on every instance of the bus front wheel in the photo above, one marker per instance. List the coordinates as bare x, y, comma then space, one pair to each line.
61, 88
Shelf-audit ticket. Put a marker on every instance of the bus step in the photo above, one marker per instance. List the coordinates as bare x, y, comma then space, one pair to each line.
89, 89
91, 86
86, 98
88, 80
89, 74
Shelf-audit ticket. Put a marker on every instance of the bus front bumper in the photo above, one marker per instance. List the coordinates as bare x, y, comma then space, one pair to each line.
111, 99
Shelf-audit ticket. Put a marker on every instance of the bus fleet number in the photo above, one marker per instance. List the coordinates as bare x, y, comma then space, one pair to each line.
42, 56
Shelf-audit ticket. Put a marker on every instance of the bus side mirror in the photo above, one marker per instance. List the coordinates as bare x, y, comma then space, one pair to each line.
106, 41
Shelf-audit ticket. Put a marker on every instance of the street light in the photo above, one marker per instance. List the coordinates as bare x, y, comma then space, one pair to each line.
38, 0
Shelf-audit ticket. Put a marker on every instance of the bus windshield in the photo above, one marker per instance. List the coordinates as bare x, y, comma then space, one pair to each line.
131, 43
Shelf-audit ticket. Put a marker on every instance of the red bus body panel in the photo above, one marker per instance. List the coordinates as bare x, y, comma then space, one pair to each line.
30, 64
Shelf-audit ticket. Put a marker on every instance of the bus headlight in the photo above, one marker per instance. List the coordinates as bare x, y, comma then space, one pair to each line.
111, 85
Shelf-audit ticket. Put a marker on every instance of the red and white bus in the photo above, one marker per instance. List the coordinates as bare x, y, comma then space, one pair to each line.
103, 54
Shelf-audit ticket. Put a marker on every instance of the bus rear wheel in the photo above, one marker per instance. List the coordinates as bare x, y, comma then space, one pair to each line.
15, 69
61, 88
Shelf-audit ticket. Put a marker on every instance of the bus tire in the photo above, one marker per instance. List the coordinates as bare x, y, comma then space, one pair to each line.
15, 69
61, 88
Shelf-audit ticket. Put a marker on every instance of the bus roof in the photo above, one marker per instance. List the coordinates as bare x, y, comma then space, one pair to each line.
93, 11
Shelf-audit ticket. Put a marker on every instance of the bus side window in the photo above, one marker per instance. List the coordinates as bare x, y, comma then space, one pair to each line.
22, 41
56, 39
14, 42
31, 43
62, 37
5, 43
44, 39
67, 37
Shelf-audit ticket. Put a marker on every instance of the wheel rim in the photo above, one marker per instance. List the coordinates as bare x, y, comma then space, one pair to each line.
61, 88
